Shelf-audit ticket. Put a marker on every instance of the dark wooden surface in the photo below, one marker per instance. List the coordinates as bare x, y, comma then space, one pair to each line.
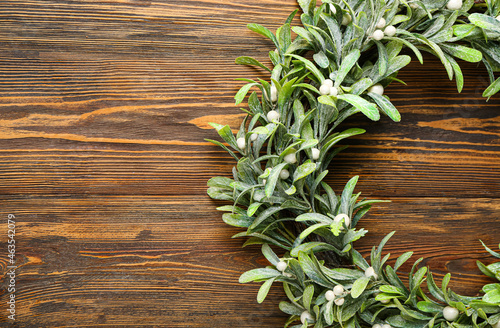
103, 110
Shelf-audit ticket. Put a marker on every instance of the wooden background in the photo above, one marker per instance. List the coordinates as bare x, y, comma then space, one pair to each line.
103, 113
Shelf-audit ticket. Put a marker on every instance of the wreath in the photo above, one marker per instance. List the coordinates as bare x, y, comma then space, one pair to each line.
342, 58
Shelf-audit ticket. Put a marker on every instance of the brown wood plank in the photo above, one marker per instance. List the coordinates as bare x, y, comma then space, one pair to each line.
170, 261
104, 108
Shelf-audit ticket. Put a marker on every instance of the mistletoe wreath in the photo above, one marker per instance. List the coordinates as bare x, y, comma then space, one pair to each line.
285, 144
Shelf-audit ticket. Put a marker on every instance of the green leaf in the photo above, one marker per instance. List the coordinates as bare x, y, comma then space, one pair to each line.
307, 297
240, 95
264, 290
308, 144
290, 309
492, 296
358, 260
399, 19
315, 246
429, 307
253, 208
361, 86
305, 5
218, 143
285, 93
394, 47
462, 52
383, 58
367, 108
345, 199
459, 76
402, 259
312, 271
310, 66
258, 275
484, 269
359, 286
220, 194
291, 16
237, 220
226, 134
292, 190
244, 60
327, 100
411, 46
306, 86
321, 59
395, 65
311, 229
343, 274
392, 290
347, 64
314, 217
220, 182
254, 103
492, 89
284, 37
303, 171
444, 286
263, 31
270, 255
353, 235
386, 106
264, 215
273, 178
434, 289
485, 21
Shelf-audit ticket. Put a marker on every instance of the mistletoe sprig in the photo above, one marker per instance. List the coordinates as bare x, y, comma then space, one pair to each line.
290, 136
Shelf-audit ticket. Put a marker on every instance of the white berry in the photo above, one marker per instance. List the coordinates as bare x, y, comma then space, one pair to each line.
339, 301
497, 325
273, 116
241, 143
370, 272
385, 301
290, 158
284, 174
330, 295
315, 153
346, 19
281, 266
338, 290
386, 326
340, 217
414, 5
376, 326
454, 4
381, 23
450, 313
333, 9
377, 88
254, 136
378, 35
324, 89
306, 316
328, 82
274, 94
390, 30
334, 92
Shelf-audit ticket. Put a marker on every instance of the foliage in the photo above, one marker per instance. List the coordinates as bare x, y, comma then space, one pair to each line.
290, 136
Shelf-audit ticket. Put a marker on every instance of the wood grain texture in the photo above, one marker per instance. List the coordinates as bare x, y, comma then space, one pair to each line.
104, 108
